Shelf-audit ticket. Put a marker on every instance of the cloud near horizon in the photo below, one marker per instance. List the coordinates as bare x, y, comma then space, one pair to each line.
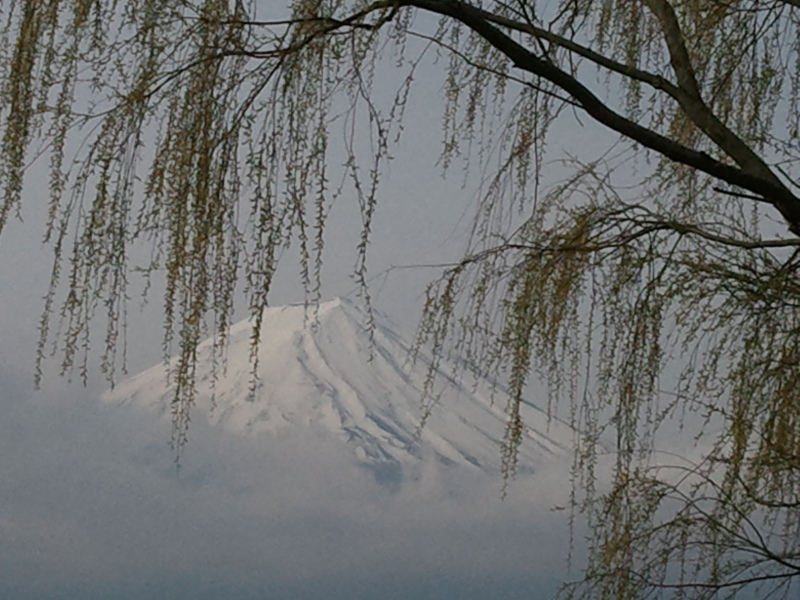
94, 507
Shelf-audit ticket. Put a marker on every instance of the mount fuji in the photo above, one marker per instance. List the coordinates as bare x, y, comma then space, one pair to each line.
319, 485
321, 372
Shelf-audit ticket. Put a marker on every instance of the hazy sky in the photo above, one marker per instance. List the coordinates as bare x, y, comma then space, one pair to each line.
91, 505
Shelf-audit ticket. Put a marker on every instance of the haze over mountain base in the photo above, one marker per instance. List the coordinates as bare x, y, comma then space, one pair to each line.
274, 501
102, 512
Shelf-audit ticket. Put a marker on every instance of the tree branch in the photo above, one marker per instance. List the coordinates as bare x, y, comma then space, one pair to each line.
656, 81
692, 102
771, 189
684, 229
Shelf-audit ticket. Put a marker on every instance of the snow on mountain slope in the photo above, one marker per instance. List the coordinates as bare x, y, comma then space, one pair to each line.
318, 370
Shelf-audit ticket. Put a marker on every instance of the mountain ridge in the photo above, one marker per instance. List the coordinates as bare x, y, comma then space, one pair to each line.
322, 370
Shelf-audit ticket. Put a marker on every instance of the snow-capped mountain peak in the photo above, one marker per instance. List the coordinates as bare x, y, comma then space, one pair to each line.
320, 370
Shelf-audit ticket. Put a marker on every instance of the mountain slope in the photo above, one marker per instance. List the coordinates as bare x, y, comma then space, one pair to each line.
320, 372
